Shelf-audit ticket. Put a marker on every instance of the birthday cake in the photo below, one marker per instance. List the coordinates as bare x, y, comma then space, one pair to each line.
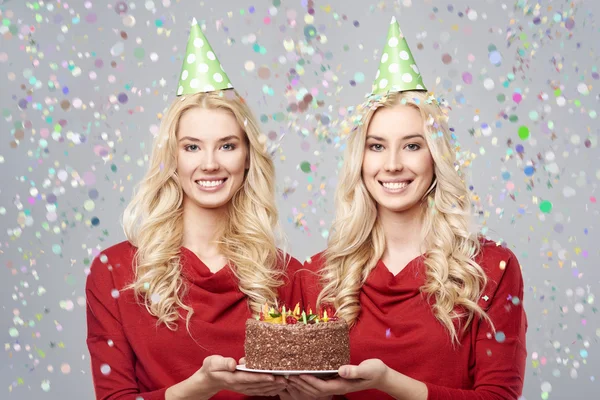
290, 340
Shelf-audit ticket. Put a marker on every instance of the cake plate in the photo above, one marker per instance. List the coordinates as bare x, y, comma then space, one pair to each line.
325, 374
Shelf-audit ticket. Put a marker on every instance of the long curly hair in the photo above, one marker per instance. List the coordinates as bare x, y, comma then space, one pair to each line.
153, 220
357, 242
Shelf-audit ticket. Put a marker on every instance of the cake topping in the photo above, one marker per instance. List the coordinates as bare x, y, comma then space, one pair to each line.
283, 316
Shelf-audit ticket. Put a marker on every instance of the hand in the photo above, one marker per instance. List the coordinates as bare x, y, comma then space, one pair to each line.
369, 374
290, 393
294, 394
219, 373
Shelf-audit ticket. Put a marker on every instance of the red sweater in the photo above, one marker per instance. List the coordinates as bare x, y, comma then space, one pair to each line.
131, 356
397, 325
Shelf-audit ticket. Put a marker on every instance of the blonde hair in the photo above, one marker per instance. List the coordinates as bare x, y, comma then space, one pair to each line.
153, 220
357, 241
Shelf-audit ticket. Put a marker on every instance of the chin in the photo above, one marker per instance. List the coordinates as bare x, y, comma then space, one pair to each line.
396, 206
208, 204
212, 204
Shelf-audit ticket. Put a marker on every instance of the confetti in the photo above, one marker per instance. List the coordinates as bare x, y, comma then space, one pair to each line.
86, 84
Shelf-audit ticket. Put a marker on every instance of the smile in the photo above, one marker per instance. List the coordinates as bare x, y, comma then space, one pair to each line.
395, 187
210, 185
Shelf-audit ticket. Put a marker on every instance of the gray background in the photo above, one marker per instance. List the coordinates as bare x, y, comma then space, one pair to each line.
47, 236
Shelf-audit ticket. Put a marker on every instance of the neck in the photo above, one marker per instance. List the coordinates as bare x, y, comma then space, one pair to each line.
202, 228
402, 230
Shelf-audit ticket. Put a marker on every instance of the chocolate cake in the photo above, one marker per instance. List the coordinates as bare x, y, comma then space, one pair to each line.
300, 343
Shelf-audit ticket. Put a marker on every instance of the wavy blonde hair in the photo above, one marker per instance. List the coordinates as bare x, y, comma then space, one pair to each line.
357, 241
153, 220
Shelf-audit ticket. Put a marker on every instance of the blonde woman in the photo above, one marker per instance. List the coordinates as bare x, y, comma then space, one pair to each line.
436, 312
200, 259
166, 309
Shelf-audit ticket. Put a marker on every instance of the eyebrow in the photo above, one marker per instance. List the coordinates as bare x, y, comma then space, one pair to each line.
223, 139
411, 136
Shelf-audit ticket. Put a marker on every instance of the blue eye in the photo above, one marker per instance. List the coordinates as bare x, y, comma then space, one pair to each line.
229, 147
191, 147
376, 147
413, 147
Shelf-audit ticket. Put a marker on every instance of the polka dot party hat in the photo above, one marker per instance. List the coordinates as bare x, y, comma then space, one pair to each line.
201, 70
397, 71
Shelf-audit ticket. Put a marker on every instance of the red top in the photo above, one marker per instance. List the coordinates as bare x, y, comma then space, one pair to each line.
397, 325
132, 356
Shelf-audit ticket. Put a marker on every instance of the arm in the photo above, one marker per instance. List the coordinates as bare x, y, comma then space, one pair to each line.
113, 360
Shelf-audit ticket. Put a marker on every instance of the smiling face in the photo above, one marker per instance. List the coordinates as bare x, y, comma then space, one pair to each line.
212, 157
397, 166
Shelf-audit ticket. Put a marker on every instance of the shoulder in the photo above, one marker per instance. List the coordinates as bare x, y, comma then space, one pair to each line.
316, 262
496, 260
113, 266
290, 263
310, 272
119, 252
500, 266
286, 262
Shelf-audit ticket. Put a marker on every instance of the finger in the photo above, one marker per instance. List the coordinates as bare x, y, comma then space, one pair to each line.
275, 392
302, 387
242, 360
296, 394
258, 389
281, 380
302, 390
349, 372
243, 377
313, 381
262, 387
218, 363
296, 380
285, 395
329, 387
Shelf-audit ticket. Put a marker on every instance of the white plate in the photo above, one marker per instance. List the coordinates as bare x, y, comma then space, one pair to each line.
242, 367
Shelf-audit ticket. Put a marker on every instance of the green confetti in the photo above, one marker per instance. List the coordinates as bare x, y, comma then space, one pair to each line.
523, 132
545, 206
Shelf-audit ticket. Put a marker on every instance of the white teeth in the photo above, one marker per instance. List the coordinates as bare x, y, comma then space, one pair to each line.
395, 185
210, 183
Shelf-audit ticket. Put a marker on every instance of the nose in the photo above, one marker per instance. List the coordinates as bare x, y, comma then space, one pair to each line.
393, 162
209, 162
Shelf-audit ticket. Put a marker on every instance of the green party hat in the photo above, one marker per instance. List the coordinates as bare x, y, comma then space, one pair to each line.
397, 71
201, 70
